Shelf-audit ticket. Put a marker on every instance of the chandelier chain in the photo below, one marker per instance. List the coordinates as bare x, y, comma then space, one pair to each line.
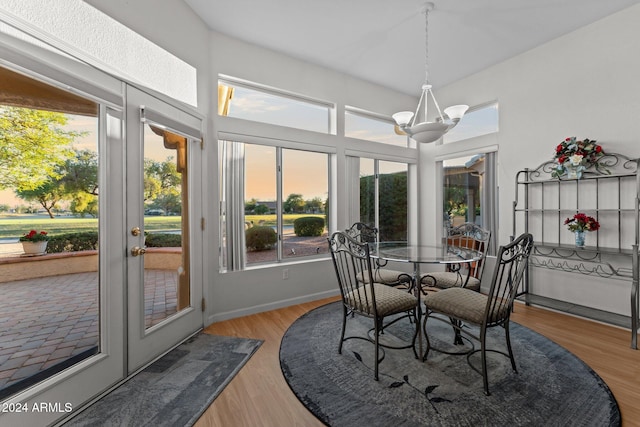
426, 45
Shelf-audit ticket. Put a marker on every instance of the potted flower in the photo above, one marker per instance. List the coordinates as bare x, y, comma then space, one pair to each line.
580, 224
573, 157
34, 242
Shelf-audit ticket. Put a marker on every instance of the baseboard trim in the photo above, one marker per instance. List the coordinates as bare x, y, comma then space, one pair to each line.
218, 317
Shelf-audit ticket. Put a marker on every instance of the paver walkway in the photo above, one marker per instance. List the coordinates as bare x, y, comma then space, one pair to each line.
46, 321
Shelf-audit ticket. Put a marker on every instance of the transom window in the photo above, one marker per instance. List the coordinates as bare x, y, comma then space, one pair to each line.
245, 101
371, 127
477, 122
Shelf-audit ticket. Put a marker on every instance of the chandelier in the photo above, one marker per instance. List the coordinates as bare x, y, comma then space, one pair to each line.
426, 131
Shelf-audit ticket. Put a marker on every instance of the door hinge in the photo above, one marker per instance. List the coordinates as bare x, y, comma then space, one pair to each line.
203, 304
202, 143
202, 224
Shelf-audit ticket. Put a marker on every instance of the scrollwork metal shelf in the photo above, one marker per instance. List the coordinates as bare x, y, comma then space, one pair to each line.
542, 202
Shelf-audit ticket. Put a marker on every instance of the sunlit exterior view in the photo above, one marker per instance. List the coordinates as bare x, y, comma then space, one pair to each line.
49, 191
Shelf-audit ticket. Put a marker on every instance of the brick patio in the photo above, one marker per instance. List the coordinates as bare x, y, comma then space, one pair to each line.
46, 322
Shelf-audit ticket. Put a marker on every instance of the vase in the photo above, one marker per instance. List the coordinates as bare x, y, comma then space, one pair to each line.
34, 248
580, 236
574, 172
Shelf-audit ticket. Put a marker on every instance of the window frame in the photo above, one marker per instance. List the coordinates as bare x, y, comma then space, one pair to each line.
228, 252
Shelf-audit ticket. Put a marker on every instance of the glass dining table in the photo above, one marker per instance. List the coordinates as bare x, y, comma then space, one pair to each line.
441, 254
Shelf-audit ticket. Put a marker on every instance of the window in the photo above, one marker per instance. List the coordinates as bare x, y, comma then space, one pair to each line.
266, 191
469, 192
268, 106
371, 128
383, 197
479, 121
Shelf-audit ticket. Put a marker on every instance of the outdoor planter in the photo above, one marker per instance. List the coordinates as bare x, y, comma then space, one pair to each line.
34, 248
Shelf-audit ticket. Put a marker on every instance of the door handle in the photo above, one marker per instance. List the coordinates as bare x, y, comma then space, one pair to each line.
137, 251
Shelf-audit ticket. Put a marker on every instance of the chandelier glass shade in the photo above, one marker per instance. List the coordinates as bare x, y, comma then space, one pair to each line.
426, 131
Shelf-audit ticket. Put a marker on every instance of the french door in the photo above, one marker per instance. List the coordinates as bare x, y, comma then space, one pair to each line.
164, 278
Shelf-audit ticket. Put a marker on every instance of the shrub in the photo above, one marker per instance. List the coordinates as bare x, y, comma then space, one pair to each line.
260, 238
159, 240
308, 226
73, 242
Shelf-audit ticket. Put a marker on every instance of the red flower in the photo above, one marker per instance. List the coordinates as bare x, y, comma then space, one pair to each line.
598, 149
559, 148
582, 222
567, 139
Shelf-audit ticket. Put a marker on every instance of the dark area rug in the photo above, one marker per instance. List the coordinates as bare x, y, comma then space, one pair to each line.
176, 389
552, 386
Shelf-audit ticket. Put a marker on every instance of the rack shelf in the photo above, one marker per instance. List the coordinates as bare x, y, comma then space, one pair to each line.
541, 206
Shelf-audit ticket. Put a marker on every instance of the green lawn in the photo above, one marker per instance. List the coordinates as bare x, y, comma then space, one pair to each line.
15, 226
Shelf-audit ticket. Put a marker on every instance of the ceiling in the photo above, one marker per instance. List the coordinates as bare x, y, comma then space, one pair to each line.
383, 41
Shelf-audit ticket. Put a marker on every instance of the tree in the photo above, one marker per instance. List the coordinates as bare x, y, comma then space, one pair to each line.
314, 205
81, 183
47, 194
162, 184
261, 209
81, 173
250, 205
33, 145
294, 203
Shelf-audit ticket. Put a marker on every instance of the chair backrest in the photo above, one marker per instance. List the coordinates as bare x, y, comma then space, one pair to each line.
362, 232
511, 263
352, 260
471, 236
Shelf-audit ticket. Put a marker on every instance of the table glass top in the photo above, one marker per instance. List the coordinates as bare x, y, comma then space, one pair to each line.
431, 254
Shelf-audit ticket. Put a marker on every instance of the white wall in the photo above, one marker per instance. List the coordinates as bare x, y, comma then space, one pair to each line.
584, 84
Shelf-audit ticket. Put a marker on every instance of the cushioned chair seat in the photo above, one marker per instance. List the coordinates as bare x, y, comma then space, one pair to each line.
389, 300
446, 279
463, 304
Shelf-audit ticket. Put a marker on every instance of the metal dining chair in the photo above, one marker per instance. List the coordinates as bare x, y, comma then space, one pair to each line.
470, 236
365, 233
461, 306
367, 298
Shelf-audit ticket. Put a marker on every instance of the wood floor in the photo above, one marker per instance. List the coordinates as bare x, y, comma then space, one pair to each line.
259, 395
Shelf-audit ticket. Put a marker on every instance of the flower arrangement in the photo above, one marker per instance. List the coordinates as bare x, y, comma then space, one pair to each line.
576, 155
582, 222
35, 236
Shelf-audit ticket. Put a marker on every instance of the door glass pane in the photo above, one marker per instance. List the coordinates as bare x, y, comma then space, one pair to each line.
260, 206
305, 188
49, 287
392, 188
166, 226
463, 190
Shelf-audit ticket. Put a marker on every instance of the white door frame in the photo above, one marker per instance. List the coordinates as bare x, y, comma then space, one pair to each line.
145, 344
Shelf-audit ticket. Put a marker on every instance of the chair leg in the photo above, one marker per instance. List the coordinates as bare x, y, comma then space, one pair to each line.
344, 325
508, 338
377, 323
483, 352
426, 336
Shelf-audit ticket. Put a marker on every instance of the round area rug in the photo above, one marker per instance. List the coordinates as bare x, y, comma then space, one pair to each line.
552, 386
